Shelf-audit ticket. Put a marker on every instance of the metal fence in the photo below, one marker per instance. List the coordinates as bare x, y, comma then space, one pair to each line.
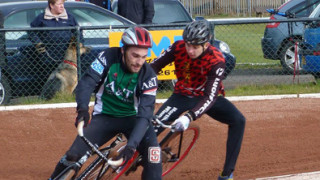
235, 7
25, 72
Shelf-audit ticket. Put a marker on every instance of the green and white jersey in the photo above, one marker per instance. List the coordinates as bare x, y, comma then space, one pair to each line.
119, 93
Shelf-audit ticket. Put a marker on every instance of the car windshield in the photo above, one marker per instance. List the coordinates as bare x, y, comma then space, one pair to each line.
169, 12
304, 9
84, 16
88, 17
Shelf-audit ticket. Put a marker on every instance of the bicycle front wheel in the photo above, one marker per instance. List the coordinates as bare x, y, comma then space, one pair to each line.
99, 169
176, 146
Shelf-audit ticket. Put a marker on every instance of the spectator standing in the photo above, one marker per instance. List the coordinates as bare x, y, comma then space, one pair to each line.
138, 11
51, 45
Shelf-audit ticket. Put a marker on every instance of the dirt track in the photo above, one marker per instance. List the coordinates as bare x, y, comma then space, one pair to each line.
281, 137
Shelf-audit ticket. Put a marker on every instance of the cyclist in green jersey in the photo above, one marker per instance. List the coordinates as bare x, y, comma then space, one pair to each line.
125, 89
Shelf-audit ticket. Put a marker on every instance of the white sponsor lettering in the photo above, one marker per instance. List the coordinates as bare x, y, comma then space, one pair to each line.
110, 89
151, 83
211, 96
165, 114
220, 71
97, 66
164, 52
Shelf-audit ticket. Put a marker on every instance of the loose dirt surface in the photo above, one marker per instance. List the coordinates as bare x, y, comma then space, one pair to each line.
281, 137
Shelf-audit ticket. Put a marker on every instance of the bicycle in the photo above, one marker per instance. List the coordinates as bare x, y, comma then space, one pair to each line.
98, 164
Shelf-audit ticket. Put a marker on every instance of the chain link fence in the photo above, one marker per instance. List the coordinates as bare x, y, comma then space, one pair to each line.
259, 60
231, 7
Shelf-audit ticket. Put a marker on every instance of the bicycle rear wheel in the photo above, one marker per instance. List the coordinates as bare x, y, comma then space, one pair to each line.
176, 146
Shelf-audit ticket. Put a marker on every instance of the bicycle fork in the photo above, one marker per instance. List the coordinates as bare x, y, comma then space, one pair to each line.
167, 153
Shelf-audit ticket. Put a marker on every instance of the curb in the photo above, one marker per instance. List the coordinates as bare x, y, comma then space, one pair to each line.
231, 98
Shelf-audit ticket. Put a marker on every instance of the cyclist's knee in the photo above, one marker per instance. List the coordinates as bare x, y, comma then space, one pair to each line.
241, 121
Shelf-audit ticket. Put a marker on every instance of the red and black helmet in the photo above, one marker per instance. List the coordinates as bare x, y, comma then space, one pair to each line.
137, 36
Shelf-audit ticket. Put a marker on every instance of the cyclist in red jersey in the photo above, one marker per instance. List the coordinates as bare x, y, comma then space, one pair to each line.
200, 69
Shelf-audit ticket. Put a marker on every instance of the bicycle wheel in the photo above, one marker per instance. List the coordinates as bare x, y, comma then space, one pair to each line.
98, 169
176, 146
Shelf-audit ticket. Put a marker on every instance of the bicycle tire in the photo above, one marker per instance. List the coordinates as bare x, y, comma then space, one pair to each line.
98, 169
172, 153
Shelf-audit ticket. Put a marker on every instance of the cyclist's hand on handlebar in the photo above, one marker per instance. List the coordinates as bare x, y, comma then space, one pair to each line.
182, 123
126, 154
83, 115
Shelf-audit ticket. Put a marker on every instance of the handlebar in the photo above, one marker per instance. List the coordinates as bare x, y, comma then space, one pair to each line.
80, 128
161, 124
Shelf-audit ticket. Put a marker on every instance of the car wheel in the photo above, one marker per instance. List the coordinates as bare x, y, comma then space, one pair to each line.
5, 90
288, 58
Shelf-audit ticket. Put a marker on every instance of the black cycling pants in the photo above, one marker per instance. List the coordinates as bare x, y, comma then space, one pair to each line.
222, 110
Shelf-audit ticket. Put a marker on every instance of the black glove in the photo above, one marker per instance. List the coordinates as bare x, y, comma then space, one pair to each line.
126, 154
83, 115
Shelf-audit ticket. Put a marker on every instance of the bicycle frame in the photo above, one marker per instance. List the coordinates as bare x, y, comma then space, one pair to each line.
104, 167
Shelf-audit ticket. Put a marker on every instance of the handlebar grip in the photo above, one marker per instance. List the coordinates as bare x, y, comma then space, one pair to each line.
80, 128
115, 162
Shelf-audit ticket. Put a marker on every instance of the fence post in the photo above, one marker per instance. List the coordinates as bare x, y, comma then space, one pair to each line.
3, 56
78, 34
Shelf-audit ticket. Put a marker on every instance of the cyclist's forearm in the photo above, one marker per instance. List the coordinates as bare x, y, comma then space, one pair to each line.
138, 132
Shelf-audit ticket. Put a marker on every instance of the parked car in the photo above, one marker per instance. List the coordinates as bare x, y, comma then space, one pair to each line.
4, 1
277, 44
310, 47
17, 73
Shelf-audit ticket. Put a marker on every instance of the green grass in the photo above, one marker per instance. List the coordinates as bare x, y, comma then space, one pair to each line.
303, 88
244, 41
250, 90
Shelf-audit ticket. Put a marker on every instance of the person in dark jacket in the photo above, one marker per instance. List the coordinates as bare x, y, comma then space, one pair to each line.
138, 11
51, 45
125, 87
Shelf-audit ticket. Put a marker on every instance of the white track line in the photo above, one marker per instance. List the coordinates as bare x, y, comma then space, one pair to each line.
301, 176
232, 98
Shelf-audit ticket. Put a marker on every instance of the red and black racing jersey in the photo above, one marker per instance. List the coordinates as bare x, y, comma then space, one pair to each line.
200, 77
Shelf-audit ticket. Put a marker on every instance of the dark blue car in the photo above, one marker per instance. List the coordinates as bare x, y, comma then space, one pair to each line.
17, 61
310, 47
